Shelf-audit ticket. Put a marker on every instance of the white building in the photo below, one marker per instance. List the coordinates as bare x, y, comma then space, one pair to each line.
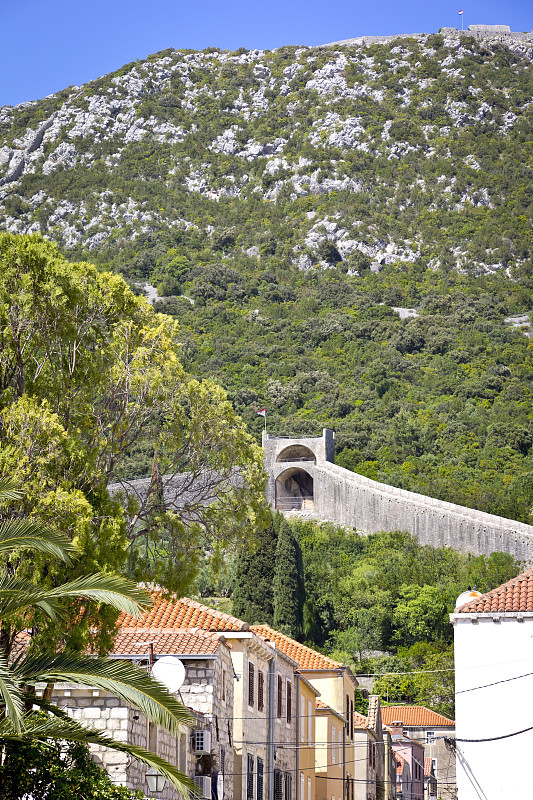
494, 689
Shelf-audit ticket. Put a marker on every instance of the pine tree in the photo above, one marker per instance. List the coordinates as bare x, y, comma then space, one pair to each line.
289, 586
253, 593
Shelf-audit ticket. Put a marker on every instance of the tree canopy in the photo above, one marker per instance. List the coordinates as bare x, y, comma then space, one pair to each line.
90, 375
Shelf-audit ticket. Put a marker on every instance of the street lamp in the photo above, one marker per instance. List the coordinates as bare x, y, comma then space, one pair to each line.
156, 781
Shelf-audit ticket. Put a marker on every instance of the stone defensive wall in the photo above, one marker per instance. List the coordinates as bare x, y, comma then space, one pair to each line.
304, 481
495, 33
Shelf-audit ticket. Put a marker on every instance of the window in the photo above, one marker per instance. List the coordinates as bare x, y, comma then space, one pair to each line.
309, 722
351, 720
288, 786
434, 765
303, 726
224, 685
280, 696
259, 779
289, 702
302, 785
333, 751
308, 789
216, 728
229, 734
339, 745
278, 785
430, 736
260, 691
250, 779
251, 685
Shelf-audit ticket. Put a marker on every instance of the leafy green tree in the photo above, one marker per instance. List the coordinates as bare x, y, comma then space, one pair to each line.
253, 591
56, 771
88, 372
420, 615
289, 585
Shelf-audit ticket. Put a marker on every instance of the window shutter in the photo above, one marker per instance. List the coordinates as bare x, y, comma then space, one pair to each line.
288, 786
250, 779
309, 722
278, 786
260, 691
259, 779
303, 725
333, 752
280, 696
289, 702
251, 685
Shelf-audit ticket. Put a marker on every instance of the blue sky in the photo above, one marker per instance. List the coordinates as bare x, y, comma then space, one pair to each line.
47, 46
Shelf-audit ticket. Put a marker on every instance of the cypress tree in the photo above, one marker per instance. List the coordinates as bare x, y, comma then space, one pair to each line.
253, 593
289, 586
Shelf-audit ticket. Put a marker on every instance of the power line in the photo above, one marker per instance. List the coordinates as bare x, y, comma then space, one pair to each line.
495, 683
493, 738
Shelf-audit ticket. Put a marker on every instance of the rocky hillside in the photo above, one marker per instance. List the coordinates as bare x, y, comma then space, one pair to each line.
343, 232
413, 150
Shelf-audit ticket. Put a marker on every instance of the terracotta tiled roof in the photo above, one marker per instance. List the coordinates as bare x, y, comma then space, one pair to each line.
135, 641
515, 595
321, 704
414, 717
184, 613
304, 656
428, 767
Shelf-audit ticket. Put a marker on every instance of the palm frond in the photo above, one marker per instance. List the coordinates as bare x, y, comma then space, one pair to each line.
10, 697
30, 534
121, 678
8, 490
121, 593
37, 728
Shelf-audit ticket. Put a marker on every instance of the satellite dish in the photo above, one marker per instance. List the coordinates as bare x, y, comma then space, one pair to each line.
169, 671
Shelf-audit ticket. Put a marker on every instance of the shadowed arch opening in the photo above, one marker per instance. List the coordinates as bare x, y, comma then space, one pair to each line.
294, 490
296, 452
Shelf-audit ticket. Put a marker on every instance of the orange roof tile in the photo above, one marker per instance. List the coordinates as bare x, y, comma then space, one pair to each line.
428, 767
130, 641
320, 704
515, 595
172, 613
305, 657
359, 721
414, 717
400, 763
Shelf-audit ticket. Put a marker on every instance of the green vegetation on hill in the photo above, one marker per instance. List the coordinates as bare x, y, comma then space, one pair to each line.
285, 203
381, 604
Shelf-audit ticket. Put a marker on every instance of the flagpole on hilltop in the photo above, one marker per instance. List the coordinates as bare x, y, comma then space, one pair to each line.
461, 15
263, 413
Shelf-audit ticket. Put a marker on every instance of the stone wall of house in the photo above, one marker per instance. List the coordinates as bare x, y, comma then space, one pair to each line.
208, 689
124, 723
344, 497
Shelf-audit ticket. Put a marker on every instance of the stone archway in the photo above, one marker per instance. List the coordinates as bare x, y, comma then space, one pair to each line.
296, 452
294, 490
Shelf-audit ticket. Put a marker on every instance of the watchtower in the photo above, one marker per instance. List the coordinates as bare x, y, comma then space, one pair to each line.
292, 466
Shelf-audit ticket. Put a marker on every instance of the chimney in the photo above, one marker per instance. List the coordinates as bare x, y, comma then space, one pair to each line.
396, 728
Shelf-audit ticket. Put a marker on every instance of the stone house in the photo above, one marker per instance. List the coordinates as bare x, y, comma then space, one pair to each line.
207, 691
493, 636
262, 725
430, 729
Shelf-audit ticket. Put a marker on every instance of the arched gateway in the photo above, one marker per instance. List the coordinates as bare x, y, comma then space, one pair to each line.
304, 479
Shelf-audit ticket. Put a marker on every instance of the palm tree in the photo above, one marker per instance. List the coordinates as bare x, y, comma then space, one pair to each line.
21, 719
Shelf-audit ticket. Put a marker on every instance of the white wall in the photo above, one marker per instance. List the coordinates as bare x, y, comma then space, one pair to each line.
489, 651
